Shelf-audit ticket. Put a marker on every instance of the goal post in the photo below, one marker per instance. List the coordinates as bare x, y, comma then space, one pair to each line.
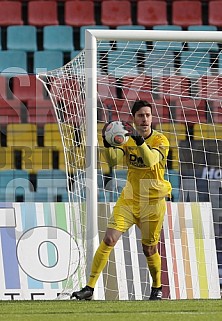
100, 84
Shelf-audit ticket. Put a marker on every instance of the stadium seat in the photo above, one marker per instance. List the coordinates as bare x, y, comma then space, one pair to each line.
216, 111
106, 87
42, 13
187, 13
139, 87
4, 87
119, 109
25, 87
115, 13
7, 158
36, 159
105, 46
13, 62
40, 111
214, 13
10, 111
11, 13
190, 111
163, 110
172, 86
151, 13
210, 87
79, 13
22, 38
122, 65
22, 135
166, 45
52, 137
58, 38
203, 46
207, 131
159, 63
132, 45
15, 186
46, 60
74, 53
51, 186
220, 63
194, 64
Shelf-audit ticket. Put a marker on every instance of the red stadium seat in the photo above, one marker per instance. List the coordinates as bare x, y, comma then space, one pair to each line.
4, 89
106, 87
216, 111
25, 87
79, 13
210, 87
42, 13
151, 13
118, 109
137, 88
116, 13
190, 111
40, 111
215, 13
173, 86
11, 13
10, 111
186, 13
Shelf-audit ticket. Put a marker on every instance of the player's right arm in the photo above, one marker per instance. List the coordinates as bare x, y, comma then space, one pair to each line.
113, 154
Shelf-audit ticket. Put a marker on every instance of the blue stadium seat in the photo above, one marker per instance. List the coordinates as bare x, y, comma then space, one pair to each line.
105, 46
13, 62
58, 38
132, 45
51, 186
74, 53
15, 186
122, 65
22, 38
159, 63
203, 46
47, 60
166, 45
194, 64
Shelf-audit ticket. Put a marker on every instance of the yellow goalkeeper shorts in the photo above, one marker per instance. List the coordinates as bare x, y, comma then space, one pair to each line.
148, 217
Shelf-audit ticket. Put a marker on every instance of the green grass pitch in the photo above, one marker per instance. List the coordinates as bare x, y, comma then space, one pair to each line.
188, 310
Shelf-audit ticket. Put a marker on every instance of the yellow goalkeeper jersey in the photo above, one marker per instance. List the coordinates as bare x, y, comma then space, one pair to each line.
146, 182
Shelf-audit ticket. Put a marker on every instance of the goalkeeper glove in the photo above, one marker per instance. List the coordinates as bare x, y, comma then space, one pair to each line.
133, 133
105, 143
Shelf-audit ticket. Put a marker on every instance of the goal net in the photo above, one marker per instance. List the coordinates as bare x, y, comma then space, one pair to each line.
180, 74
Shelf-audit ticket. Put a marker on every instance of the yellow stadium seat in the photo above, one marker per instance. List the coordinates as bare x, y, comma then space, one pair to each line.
207, 131
7, 158
22, 135
36, 159
52, 136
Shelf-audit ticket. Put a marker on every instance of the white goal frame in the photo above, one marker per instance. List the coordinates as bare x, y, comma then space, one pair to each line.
91, 38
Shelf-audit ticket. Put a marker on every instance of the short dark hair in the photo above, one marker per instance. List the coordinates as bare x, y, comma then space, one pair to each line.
139, 104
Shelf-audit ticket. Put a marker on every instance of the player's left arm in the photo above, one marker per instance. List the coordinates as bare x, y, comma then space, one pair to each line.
154, 155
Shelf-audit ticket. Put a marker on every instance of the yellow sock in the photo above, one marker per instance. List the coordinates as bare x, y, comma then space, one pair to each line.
99, 262
154, 265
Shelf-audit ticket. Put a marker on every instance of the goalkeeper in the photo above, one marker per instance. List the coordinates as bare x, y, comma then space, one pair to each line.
142, 201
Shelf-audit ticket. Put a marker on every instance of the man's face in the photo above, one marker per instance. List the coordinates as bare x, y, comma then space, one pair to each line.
143, 121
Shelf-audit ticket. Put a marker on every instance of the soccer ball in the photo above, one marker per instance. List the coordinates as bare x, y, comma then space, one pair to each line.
115, 134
